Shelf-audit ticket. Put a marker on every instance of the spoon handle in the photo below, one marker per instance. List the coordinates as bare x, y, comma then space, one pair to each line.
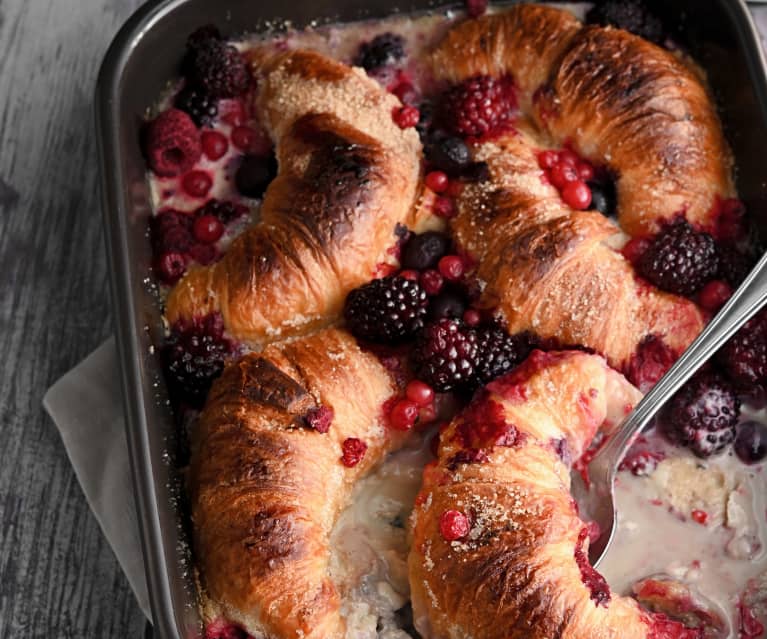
742, 306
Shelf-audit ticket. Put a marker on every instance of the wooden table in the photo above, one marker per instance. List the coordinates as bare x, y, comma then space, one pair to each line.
58, 576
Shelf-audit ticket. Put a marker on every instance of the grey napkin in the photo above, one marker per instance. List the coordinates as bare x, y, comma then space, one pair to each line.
86, 407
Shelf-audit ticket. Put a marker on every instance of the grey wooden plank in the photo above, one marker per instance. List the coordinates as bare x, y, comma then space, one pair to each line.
58, 577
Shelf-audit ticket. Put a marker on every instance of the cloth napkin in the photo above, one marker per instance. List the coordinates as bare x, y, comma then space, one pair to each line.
86, 407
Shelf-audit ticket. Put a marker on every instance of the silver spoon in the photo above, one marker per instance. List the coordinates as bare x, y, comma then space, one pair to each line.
598, 501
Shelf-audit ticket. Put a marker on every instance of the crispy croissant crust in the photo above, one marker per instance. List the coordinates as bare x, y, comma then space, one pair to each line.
266, 489
619, 100
515, 574
551, 270
347, 176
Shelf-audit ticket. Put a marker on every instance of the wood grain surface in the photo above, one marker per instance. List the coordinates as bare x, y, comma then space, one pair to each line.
58, 576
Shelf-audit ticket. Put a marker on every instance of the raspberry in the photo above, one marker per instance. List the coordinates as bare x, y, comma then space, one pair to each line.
223, 630
499, 352
353, 450
679, 259
383, 50
703, 414
744, 356
423, 251
319, 418
446, 355
454, 525
478, 106
630, 15
387, 310
224, 210
172, 267
193, 356
171, 231
203, 253
406, 117
202, 108
172, 143
218, 69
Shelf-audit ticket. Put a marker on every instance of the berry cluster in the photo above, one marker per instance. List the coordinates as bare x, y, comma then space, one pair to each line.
478, 106
572, 177
193, 356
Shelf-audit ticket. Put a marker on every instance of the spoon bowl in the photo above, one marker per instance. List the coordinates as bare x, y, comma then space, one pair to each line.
597, 499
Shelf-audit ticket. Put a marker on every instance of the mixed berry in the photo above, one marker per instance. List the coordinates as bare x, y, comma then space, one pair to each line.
478, 106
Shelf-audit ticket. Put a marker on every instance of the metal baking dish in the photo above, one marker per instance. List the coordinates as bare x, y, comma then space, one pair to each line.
142, 59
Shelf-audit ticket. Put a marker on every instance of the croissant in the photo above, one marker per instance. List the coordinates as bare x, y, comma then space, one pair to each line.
553, 271
618, 100
266, 487
347, 176
499, 551
621, 102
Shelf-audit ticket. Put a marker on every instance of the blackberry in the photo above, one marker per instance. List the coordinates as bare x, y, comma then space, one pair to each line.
201, 107
477, 106
446, 356
382, 51
424, 250
630, 15
225, 210
679, 259
703, 414
448, 154
388, 310
201, 36
218, 68
193, 356
499, 352
171, 231
744, 356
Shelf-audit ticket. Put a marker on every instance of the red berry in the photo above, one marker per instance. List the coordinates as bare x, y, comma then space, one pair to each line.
476, 8
453, 525
172, 266
353, 451
568, 157
714, 295
406, 93
444, 207
562, 174
403, 415
451, 267
577, 195
472, 317
232, 112
172, 143
635, 248
585, 170
208, 229
422, 394
701, 516
214, 144
244, 138
437, 181
548, 159
319, 418
410, 274
432, 282
197, 183
406, 117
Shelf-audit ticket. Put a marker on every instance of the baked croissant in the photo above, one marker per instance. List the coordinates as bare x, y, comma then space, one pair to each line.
551, 270
618, 100
347, 176
622, 103
266, 487
499, 551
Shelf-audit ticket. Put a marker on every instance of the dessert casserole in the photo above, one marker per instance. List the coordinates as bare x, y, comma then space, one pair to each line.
414, 271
